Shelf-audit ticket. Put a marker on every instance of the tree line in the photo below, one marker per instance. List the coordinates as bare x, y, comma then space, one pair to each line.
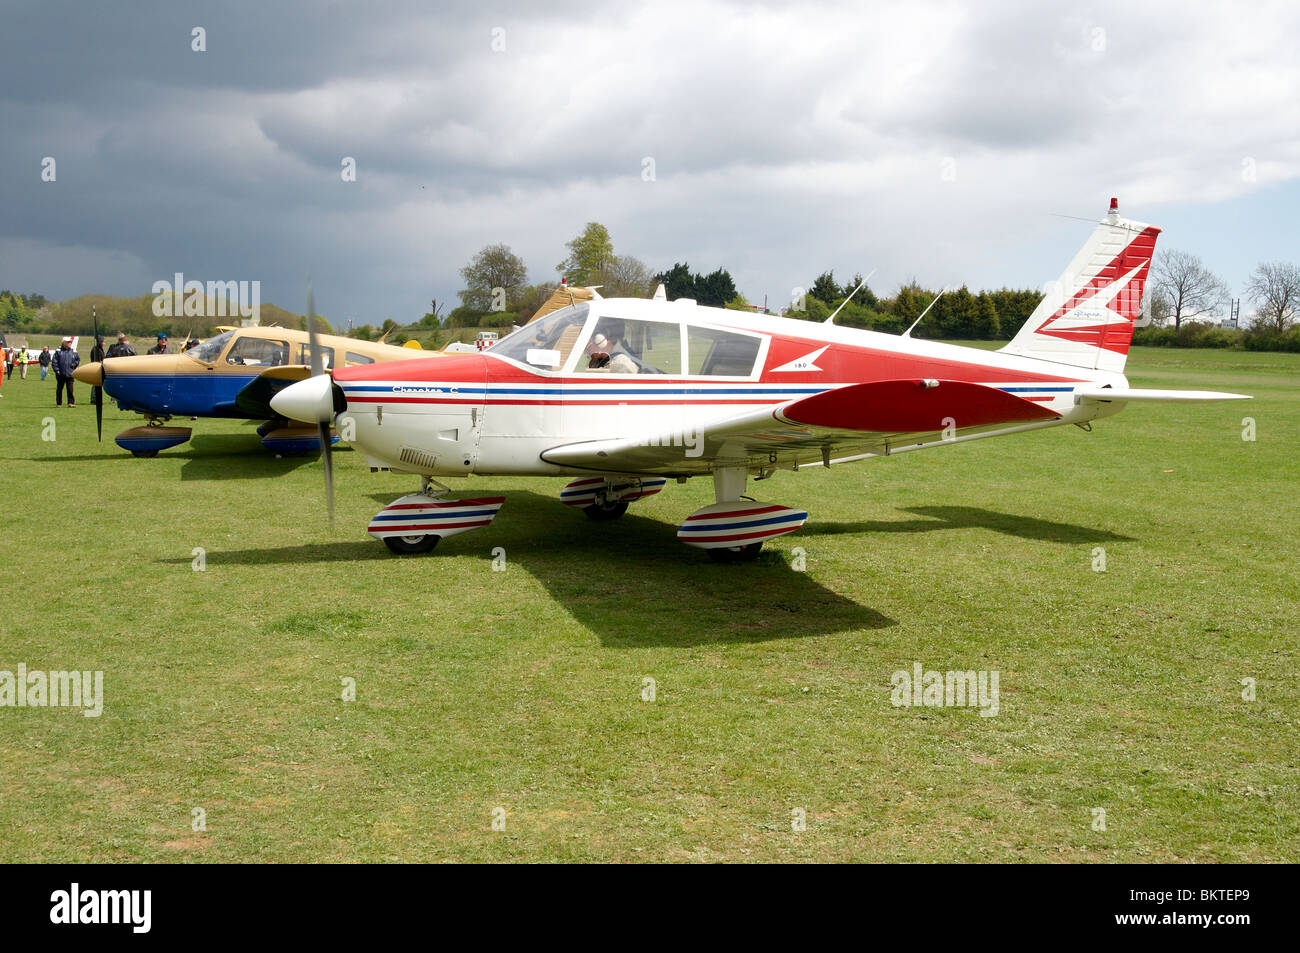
134, 316
1186, 300
497, 293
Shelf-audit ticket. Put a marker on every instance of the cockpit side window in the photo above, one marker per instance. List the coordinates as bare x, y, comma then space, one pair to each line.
621, 346
259, 352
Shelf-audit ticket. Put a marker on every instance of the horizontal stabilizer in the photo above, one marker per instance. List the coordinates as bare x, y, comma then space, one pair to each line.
912, 406
1108, 394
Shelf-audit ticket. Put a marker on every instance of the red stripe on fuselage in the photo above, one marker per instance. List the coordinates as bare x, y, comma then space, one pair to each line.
841, 363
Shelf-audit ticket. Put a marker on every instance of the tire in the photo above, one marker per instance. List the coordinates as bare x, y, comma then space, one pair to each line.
736, 554
411, 545
609, 511
144, 453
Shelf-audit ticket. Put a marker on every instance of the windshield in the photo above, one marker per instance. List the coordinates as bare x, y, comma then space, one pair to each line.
557, 331
211, 349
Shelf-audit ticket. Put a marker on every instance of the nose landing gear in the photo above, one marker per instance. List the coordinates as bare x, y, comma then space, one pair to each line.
417, 522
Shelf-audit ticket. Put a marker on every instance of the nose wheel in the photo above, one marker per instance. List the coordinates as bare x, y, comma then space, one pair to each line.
735, 554
411, 545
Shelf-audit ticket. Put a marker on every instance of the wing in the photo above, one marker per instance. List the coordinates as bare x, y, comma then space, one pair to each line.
878, 417
254, 398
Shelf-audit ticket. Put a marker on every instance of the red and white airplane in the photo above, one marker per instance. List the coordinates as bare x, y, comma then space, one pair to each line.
626, 393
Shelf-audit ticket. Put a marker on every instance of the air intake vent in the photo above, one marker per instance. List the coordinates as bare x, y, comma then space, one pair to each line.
421, 460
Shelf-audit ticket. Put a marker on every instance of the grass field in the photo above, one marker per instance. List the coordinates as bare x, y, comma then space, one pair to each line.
522, 689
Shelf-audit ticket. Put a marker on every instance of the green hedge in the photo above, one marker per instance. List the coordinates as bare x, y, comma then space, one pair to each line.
1195, 334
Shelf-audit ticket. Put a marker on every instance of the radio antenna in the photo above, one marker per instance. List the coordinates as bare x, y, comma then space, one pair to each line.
908, 332
861, 284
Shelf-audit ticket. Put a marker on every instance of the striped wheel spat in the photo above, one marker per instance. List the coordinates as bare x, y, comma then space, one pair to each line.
417, 515
738, 524
147, 439
582, 492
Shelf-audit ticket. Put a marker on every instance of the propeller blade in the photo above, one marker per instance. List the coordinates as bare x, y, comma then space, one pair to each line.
313, 342
97, 393
325, 418
327, 458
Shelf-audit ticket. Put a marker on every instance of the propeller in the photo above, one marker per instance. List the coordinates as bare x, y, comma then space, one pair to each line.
97, 393
324, 418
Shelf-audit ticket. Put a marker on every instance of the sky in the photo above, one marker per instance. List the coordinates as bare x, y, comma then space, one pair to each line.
947, 142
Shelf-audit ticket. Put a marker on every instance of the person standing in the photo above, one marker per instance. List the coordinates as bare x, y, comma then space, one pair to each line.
122, 348
45, 361
22, 362
161, 346
65, 361
10, 355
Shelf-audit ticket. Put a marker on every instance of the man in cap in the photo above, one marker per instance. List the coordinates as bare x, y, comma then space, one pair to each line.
161, 346
65, 361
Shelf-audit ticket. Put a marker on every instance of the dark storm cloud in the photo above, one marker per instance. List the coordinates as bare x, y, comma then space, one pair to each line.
785, 138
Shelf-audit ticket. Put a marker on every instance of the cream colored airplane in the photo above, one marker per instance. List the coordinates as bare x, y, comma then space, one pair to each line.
234, 374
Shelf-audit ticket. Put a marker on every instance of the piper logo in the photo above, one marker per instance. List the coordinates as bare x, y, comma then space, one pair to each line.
103, 906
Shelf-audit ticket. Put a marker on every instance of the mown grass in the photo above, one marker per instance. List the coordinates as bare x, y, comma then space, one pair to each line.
522, 689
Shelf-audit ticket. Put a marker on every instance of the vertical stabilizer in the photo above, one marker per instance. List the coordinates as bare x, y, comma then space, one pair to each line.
1086, 318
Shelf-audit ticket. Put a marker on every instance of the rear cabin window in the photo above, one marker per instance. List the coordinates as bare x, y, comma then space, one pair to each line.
714, 353
355, 358
327, 355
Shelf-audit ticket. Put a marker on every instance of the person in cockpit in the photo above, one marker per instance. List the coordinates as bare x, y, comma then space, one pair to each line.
608, 350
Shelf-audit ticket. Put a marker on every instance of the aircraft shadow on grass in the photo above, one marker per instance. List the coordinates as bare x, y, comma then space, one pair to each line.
633, 584
209, 457
236, 457
629, 581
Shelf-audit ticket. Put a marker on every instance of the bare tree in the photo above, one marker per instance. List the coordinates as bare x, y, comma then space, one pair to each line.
1275, 289
1189, 290
626, 277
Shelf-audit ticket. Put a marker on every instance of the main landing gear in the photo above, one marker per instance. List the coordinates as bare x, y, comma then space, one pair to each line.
733, 529
606, 498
